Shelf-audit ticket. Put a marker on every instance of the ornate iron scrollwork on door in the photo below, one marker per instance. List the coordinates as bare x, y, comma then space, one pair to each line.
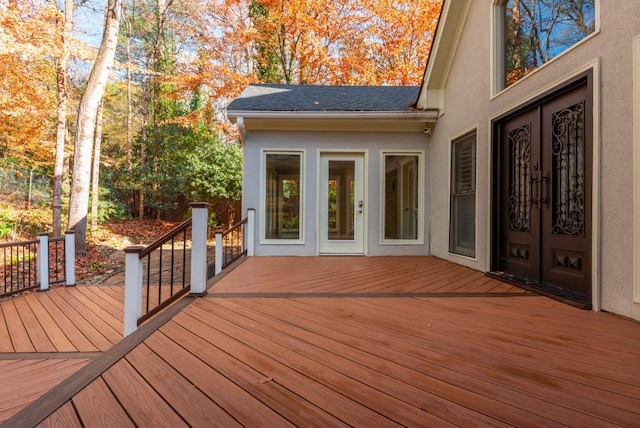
520, 179
568, 175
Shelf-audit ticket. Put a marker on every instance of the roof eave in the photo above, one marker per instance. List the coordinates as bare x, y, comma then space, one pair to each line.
415, 116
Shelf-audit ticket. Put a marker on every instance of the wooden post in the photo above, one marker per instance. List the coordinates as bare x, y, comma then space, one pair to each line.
219, 260
251, 228
70, 257
132, 288
199, 227
43, 261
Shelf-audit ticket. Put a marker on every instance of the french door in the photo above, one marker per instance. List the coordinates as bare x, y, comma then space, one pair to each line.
544, 195
342, 205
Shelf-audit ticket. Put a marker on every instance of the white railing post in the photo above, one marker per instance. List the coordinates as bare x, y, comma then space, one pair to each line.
70, 257
199, 228
132, 288
251, 228
43, 261
219, 260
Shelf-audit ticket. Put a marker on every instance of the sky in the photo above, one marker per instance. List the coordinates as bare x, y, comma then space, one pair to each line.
89, 21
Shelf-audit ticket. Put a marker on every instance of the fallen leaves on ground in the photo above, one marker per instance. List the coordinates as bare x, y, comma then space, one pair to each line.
105, 247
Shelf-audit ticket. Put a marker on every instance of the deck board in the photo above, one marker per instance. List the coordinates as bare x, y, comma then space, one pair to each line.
97, 406
64, 417
141, 402
45, 337
25, 380
93, 312
363, 366
34, 329
20, 339
6, 345
58, 338
241, 375
348, 341
69, 322
325, 397
185, 397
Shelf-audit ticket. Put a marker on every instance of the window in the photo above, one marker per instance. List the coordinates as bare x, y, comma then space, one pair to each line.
402, 206
283, 190
462, 224
533, 32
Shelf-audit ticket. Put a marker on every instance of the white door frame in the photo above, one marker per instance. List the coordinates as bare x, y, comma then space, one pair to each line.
357, 245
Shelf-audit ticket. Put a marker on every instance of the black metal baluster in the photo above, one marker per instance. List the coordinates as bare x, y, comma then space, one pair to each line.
160, 278
173, 249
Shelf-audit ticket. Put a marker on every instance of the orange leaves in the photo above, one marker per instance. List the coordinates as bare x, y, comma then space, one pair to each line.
231, 43
358, 42
28, 45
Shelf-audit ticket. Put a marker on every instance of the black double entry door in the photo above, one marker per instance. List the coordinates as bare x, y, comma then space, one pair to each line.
543, 185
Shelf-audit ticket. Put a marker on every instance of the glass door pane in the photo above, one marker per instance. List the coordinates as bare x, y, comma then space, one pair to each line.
341, 200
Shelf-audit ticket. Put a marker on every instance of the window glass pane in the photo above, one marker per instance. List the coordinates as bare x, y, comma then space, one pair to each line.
282, 210
536, 31
341, 200
401, 197
462, 224
464, 230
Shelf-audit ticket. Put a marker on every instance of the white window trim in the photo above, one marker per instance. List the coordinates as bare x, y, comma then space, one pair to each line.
461, 135
636, 169
421, 202
497, 48
263, 196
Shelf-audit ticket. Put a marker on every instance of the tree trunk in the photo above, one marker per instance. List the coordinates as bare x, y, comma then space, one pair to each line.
143, 148
61, 99
127, 22
95, 170
87, 112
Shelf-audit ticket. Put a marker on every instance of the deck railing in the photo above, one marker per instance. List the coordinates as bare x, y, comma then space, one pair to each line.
171, 267
234, 242
36, 264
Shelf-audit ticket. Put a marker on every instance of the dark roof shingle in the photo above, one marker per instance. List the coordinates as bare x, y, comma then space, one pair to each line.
312, 98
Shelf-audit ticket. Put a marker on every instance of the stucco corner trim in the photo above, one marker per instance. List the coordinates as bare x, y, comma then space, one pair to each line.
636, 169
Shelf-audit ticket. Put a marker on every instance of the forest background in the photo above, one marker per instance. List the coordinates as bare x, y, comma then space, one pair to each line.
140, 131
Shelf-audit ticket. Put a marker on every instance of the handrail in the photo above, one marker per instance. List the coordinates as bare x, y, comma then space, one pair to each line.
235, 226
163, 239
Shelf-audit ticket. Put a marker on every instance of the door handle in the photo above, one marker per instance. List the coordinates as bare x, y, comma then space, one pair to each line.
535, 185
544, 193
360, 205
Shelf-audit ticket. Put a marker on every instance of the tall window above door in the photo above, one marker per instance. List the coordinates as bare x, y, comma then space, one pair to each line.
530, 33
462, 224
282, 196
402, 202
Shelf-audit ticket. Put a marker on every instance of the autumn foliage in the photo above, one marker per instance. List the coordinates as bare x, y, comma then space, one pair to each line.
178, 64
335, 42
28, 46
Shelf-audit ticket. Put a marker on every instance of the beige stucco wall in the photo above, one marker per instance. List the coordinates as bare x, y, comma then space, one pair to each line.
469, 104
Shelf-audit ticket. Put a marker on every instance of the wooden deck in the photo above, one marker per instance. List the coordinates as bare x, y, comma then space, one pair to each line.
46, 337
341, 341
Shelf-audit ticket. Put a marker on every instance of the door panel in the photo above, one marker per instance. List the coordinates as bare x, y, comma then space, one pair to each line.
566, 210
544, 187
341, 204
520, 216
